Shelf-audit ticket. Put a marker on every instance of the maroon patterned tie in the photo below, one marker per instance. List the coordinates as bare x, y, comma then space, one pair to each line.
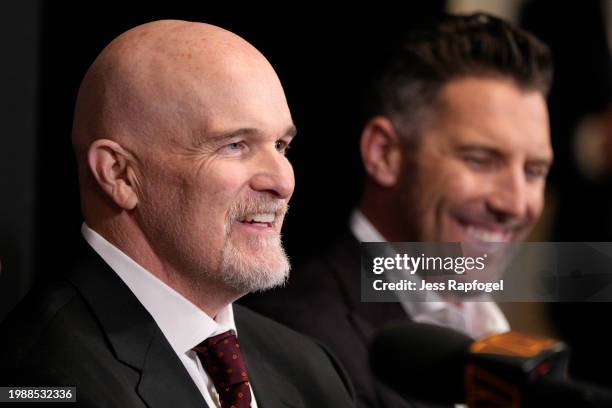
221, 357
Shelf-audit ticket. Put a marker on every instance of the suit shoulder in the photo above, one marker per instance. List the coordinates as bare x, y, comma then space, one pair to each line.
29, 323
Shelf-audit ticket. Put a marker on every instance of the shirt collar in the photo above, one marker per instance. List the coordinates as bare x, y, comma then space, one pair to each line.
363, 229
182, 322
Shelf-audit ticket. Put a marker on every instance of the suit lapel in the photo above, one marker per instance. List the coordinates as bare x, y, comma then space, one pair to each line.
135, 337
163, 382
270, 388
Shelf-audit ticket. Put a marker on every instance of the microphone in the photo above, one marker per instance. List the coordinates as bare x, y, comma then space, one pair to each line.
439, 365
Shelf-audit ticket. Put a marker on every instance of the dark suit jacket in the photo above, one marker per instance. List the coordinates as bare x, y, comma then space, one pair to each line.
323, 300
88, 329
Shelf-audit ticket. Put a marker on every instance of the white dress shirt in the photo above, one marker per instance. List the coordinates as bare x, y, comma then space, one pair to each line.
476, 319
183, 324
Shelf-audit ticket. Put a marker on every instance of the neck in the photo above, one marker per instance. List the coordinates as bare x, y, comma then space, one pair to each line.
122, 232
382, 208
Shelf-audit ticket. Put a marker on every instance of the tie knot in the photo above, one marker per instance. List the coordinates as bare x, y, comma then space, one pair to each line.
222, 359
219, 340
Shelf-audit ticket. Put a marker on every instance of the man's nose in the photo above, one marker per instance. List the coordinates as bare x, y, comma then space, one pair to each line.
274, 175
509, 198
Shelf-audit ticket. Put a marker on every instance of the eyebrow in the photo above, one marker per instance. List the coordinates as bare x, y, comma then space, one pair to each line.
290, 132
541, 162
499, 153
217, 137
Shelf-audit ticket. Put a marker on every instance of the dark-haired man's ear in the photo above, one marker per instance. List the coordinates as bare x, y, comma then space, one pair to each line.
381, 151
110, 165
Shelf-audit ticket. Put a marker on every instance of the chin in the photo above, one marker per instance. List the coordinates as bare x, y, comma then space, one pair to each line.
261, 266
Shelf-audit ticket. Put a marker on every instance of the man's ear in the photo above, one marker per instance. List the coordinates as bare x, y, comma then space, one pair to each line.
381, 151
110, 165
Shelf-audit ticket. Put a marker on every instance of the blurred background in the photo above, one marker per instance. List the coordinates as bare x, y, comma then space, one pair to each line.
323, 54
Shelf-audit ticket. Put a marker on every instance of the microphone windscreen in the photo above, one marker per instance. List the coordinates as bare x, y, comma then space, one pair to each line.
421, 361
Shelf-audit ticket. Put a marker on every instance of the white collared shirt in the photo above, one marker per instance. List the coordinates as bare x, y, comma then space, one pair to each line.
476, 319
183, 324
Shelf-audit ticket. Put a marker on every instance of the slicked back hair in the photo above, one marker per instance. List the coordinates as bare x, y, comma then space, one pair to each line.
454, 46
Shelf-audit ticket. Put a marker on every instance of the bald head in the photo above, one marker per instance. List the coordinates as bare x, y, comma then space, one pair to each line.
168, 83
180, 131
166, 77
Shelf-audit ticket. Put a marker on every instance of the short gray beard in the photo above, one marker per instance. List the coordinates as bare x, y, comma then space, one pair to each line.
247, 273
269, 267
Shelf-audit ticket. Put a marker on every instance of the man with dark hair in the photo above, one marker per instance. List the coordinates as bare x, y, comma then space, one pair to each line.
180, 131
456, 148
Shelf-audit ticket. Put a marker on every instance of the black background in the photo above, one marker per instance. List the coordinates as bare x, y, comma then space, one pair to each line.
323, 53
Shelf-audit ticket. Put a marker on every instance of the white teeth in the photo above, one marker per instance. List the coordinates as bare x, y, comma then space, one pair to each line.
262, 217
484, 235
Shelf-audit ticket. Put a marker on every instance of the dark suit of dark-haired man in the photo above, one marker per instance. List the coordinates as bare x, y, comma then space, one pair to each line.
456, 148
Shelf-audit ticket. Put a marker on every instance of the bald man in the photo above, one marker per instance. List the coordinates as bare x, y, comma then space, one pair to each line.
180, 131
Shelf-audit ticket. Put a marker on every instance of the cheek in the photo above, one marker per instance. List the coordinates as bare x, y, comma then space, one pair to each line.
449, 182
467, 186
162, 181
222, 183
210, 196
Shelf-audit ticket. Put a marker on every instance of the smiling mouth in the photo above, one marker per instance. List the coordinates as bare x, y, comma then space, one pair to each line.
480, 233
259, 219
